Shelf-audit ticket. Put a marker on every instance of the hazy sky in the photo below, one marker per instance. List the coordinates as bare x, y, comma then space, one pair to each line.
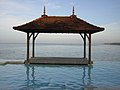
105, 13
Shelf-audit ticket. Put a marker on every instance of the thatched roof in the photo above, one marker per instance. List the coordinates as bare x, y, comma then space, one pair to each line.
58, 24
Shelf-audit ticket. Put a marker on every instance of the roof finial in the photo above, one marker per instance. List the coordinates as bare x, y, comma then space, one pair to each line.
44, 12
73, 12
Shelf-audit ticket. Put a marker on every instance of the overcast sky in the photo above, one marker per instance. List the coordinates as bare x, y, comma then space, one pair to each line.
104, 13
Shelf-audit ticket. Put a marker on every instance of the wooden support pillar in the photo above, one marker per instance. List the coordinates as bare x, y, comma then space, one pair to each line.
28, 41
84, 45
33, 46
89, 53
84, 39
33, 42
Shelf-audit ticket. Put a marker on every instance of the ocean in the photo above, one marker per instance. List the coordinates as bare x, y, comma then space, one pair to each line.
105, 71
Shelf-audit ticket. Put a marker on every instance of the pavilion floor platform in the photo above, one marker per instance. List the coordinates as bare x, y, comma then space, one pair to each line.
59, 61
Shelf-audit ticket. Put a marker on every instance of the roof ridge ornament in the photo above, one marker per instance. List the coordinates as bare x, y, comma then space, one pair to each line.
44, 10
73, 12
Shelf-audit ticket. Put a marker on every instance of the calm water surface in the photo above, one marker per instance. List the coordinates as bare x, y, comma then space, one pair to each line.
105, 71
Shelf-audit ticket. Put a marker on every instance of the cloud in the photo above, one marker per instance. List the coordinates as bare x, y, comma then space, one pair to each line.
7, 34
9, 16
111, 33
113, 26
53, 5
12, 6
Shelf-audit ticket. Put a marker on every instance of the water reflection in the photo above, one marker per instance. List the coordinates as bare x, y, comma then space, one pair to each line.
37, 80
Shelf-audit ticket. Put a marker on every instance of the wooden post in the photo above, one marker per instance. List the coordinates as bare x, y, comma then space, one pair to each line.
33, 48
28, 38
84, 45
83, 37
89, 57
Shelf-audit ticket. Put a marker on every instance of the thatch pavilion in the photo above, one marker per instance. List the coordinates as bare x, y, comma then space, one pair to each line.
58, 24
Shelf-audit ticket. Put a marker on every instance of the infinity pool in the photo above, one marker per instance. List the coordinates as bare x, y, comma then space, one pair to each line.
105, 71
59, 77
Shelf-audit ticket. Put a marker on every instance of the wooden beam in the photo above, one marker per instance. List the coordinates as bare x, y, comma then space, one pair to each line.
28, 40
84, 45
82, 36
33, 46
87, 36
89, 53
36, 35
30, 35
84, 39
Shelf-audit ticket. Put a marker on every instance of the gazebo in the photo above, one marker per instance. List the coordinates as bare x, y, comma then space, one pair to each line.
58, 24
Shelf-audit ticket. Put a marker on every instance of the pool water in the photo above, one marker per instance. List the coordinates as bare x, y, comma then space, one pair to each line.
59, 77
105, 72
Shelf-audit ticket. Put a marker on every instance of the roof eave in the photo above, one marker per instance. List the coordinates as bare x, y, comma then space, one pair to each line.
57, 31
